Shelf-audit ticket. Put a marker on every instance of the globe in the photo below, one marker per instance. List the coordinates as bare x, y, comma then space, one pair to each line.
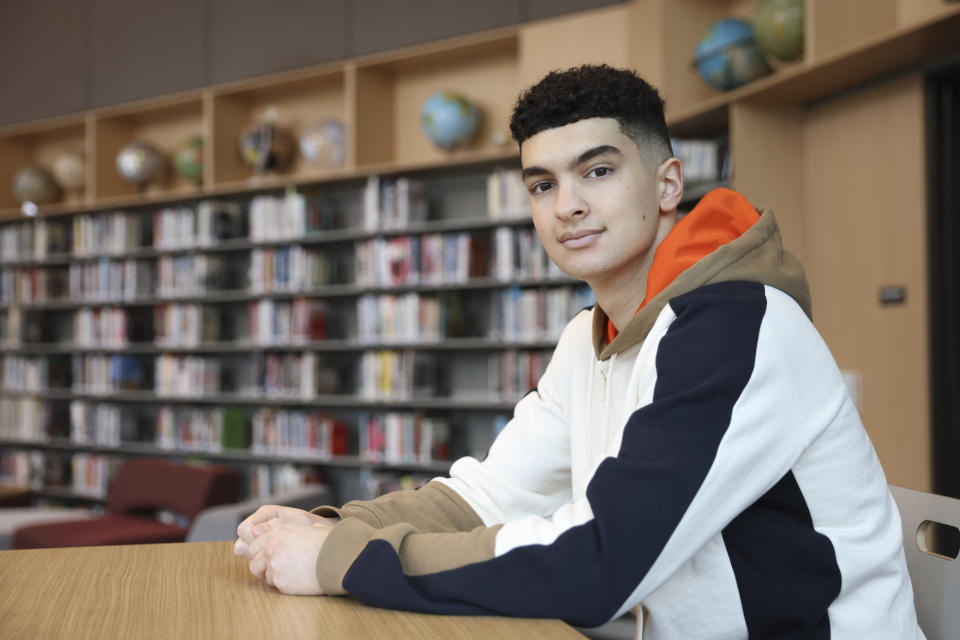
34, 184
779, 27
728, 56
188, 159
265, 147
69, 169
324, 143
140, 163
448, 119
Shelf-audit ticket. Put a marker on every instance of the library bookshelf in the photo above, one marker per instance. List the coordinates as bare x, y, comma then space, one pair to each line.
857, 75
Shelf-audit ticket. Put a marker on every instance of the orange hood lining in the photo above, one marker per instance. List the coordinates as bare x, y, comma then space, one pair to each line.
721, 216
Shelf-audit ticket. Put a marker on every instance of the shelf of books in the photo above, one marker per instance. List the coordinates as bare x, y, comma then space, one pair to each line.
363, 330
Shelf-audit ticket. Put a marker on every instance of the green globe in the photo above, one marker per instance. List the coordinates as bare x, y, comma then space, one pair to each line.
188, 159
779, 28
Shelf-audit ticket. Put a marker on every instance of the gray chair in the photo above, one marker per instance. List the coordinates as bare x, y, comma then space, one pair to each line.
935, 578
220, 522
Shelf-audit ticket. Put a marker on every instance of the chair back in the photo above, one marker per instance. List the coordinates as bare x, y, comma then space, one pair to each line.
935, 578
144, 484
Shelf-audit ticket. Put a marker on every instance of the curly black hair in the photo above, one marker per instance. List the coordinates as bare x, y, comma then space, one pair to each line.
594, 91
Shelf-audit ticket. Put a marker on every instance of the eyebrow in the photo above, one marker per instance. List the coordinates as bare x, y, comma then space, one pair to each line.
589, 154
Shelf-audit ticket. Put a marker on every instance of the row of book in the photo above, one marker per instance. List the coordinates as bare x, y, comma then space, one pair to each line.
398, 437
279, 218
99, 374
308, 434
410, 317
390, 203
201, 428
397, 375
507, 196
514, 373
535, 314
518, 254
432, 258
24, 419
185, 325
21, 373
287, 375
107, 233
185, 227
33, 285
22, 469
11, 326
101, 327
110, 280
288, 269
91, 473
702, 160
189, 275
35, 240
96, 423
279, 322
270, 480
186, 375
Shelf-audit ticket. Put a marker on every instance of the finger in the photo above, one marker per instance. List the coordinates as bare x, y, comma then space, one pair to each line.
264, 527
268, 576
241, 548
257, 545
258, 565
264, 513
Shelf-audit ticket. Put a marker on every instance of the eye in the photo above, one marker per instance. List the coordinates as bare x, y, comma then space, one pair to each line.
540, 187
599, 172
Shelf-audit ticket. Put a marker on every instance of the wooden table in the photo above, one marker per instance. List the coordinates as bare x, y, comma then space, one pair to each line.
201, 590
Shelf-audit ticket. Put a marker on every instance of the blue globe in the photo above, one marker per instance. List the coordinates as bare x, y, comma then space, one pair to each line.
448, 119
728, 55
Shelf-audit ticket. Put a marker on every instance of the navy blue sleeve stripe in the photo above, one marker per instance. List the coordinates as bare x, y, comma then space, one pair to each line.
703, 365
786, 572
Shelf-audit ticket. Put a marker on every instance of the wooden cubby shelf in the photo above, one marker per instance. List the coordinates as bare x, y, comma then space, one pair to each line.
778, 129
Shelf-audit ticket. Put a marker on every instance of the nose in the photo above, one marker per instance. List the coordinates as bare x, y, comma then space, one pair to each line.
569, 202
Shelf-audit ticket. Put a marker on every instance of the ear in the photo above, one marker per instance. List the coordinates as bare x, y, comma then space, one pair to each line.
669, 185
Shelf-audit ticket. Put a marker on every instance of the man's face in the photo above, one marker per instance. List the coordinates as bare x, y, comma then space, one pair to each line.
594, 200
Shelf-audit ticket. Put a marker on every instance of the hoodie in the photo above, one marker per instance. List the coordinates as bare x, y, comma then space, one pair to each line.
704, 467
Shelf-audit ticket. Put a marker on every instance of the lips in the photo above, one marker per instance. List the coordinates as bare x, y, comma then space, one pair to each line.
581, 238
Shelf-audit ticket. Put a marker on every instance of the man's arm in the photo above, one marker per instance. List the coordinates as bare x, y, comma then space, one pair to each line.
723, 429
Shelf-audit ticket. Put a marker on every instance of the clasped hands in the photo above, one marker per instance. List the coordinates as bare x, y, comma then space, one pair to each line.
282, 545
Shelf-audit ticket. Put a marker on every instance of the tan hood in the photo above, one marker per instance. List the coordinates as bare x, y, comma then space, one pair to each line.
757, 255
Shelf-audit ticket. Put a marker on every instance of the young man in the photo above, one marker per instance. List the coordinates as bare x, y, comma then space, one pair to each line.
691, 448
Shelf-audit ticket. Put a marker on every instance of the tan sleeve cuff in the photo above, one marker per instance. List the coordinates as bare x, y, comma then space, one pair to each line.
349, 510
419, 553
434, 507
343, 544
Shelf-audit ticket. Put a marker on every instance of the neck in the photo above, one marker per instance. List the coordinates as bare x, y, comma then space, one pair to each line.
621, 293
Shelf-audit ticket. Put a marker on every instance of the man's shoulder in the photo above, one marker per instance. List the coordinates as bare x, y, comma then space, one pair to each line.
736, 294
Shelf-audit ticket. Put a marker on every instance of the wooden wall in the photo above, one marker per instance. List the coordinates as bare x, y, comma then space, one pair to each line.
865, 228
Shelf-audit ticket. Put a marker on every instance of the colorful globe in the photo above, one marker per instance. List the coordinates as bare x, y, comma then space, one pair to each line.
728, 56
265, 147
324, 143
448, 119
779, 27
34, 184
140, 163
188, 159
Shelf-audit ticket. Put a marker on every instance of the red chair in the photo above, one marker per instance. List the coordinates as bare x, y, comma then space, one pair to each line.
141, 488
